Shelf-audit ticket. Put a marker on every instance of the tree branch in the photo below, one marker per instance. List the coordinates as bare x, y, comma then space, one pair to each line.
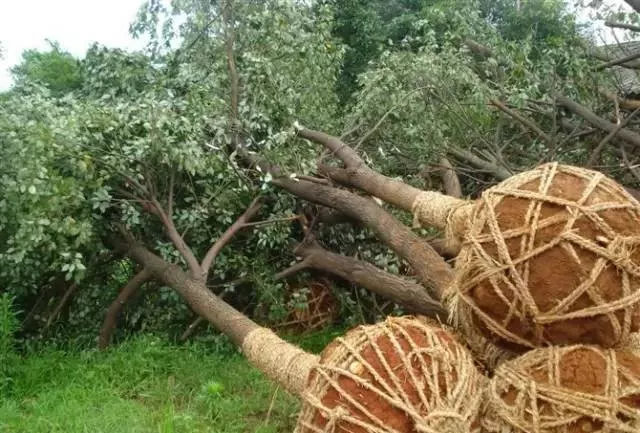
65, 298
595, 155
597, 121
177, 239
616, 25
450, 179
238, 225
523, 120
111, 318
619, 61
496, 170
430, 267
410, 295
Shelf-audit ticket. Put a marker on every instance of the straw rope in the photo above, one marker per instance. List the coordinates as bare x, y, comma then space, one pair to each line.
431, 208
565, 389
279, 360
409, 376
508, 275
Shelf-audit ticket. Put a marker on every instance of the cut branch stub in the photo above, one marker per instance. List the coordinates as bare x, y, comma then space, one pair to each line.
405, 374
571, 389
551, 257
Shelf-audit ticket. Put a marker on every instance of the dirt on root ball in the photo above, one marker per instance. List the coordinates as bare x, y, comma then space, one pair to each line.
559, 251
399, 375
577, 389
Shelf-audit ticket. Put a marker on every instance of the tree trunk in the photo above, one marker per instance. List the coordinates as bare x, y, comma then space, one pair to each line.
279, 360
111, 318
410, 295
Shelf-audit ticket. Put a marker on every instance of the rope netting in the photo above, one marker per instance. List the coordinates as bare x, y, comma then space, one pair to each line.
405, 374
570, 389
551, 257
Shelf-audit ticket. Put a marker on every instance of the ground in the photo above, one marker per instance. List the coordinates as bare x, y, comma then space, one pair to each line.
146, 385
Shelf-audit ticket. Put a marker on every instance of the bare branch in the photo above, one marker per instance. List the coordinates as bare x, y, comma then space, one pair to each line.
450, 179
271, 221
65, 298
616, 25
238, 225
619, 61
523, 120
497, 171
597, 121
595, 155
111, 317
404, 292
291, 270
172, 180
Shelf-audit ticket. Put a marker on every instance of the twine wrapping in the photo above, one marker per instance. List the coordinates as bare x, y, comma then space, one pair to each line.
451, 214
279, 360
567, 389
484, 351
405, 374
551, 257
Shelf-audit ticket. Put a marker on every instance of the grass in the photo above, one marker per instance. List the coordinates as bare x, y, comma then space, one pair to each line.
146, 385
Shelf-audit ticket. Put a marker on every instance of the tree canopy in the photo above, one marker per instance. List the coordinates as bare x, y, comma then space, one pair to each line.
168, 147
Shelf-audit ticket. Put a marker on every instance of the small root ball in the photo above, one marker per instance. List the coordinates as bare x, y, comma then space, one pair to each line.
571, 389
406, 374
551, 257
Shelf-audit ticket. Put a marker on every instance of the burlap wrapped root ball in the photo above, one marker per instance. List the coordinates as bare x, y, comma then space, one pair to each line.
406, 374
550, 256
570, 389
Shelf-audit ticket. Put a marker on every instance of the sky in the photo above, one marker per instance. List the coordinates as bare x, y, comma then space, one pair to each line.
75, 24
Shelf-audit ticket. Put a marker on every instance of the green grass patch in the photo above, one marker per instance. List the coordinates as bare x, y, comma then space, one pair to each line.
146, 385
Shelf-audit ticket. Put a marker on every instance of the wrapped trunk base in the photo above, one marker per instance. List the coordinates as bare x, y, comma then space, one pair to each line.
406, 374
572, 389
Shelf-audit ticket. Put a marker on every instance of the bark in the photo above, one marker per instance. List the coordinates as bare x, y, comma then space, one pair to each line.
616, 25
430, 267
279, 360
111, 318
410, 295
597, 121
496, 170
450, 180
194, 291
65, 299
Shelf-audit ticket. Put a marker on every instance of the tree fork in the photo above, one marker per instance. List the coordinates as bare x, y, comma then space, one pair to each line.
279, 360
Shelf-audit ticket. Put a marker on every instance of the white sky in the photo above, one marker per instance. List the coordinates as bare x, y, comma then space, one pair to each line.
75, 24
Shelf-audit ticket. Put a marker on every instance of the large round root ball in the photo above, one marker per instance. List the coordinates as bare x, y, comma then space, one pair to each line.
551, 257
570, 389
406, 374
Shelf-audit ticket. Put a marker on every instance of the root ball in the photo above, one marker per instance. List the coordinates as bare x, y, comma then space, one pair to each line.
571, 389
405, 374
551, 257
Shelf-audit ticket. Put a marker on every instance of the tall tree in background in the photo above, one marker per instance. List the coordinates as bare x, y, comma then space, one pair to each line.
55, 69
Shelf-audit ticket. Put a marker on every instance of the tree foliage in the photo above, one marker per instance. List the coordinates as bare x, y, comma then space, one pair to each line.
155, 143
